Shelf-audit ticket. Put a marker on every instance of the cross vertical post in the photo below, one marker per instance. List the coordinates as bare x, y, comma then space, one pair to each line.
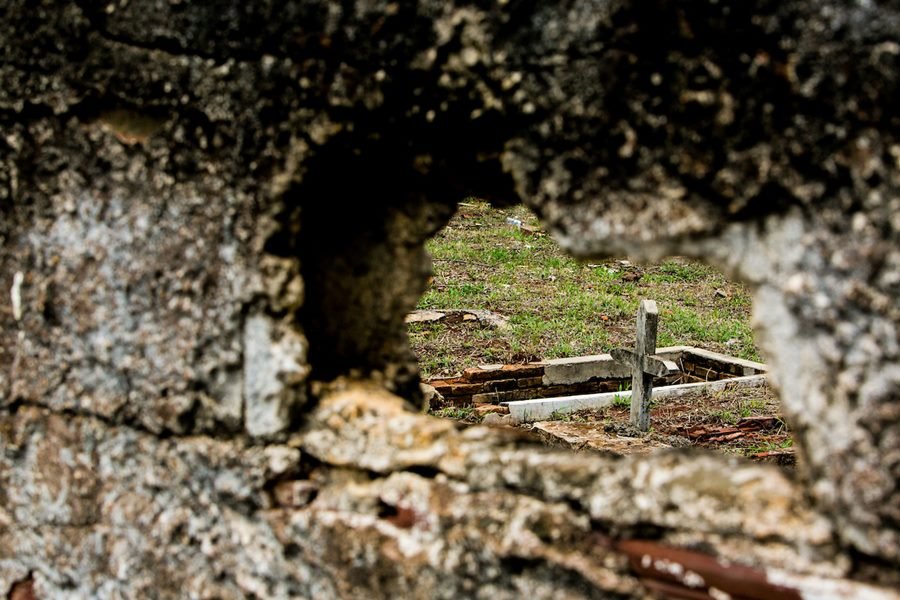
641, 381
644, 364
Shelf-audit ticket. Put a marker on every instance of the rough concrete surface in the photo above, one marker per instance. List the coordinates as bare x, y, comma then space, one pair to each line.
212, 225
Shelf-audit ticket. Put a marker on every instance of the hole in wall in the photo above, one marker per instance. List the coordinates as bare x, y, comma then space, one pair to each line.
363, 268
504, 293
359, 220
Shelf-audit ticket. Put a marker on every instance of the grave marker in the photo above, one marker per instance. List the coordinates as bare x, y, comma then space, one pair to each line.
644, 364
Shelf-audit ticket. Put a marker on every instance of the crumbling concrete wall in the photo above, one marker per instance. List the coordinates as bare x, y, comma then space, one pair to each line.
212, 223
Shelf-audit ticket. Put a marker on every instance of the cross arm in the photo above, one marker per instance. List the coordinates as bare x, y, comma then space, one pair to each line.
658, 367
650, 364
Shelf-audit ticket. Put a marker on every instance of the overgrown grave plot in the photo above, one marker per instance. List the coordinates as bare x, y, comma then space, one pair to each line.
713, 401
590, 381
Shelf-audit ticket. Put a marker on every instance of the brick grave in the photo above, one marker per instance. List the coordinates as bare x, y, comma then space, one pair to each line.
494, 384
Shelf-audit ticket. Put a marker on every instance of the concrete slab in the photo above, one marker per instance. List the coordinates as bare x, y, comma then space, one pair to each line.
592, 437
565, 371
528, 411
748, 367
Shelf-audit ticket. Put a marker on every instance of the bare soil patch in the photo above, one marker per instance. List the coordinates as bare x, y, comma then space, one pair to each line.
740, 422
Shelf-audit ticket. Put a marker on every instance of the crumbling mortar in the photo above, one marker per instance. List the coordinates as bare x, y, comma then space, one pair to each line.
12, 408
33, 112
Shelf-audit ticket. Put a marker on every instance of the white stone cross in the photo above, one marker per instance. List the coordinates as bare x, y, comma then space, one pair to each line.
644, 365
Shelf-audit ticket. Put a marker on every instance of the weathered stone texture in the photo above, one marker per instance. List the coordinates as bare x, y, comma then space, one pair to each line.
84, 499
215, 210
762, 143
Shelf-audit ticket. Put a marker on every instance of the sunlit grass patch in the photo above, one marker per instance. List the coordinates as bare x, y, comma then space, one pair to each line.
558, 306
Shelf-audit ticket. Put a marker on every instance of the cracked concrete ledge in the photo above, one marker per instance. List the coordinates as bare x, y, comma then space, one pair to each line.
528, 411
547, 509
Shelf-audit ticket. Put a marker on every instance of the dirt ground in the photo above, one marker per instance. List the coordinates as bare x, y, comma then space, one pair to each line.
745, 422
742, 422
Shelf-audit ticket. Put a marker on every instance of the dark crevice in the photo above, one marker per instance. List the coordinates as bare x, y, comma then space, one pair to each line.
97, 20
427, 471
208, 32
14, 406
32, 112
363, 265
873, 569
643, 531
119, 420
368, 205
168, 46
302, 471
89, 108
397, 515
291, 551
188, 419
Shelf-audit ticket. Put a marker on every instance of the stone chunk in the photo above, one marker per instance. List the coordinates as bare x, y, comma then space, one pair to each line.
496, 420
485, 409
432, 398
565, 371
274, 372
424, 316
593, 437
452, 316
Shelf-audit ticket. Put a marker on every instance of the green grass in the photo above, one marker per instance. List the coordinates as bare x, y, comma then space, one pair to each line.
718, 326
557, 306
686, 272
769, 446
622, 401
726, 416
456, 413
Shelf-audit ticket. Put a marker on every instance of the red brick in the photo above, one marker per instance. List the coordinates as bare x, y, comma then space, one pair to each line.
465, 389
586, 387
492, 398
530, 382
456, 387
501, 385
444, 384
479, 374
507, 396
457, 401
